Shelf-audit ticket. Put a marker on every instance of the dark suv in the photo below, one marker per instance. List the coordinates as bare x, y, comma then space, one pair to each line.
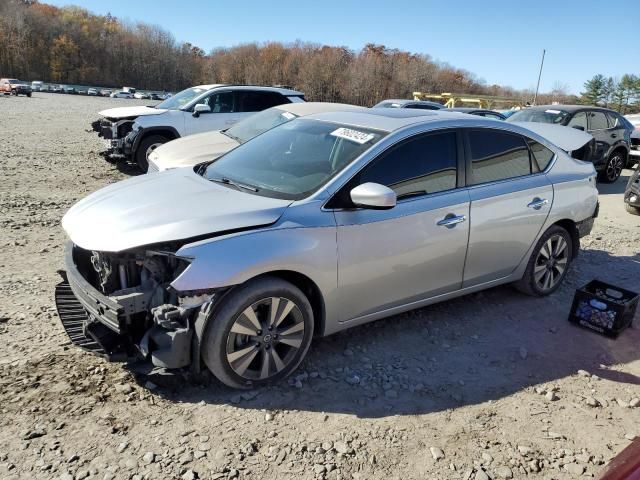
609, 129
14, 87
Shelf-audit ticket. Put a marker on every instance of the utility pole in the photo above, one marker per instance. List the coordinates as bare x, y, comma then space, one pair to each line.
539, 75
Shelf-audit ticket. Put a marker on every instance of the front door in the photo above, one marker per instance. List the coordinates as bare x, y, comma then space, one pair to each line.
510, 201
388, 258
223, 114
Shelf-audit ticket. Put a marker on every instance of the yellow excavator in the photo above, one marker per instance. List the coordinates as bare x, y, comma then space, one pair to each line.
452, 100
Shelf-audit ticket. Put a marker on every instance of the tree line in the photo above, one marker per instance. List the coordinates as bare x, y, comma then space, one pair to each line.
621, 94
72, 45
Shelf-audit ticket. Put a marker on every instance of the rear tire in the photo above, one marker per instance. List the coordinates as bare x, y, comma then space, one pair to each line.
631, 209
148, 145
612, 169
549, 263
259, 334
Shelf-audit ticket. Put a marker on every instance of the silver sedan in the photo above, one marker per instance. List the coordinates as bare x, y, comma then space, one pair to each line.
320, 224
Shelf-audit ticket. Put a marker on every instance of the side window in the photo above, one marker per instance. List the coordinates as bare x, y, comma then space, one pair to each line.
220, 102
426, 164
497, 156
578, 120
542, 156
491, 115
597, 121
252, 101
420, 106
614, 120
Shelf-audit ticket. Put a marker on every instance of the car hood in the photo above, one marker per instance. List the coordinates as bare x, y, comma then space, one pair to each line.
130, 112
191, 150
566, 138
162, 207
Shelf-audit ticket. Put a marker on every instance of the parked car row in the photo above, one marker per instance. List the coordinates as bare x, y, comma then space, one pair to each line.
306, 219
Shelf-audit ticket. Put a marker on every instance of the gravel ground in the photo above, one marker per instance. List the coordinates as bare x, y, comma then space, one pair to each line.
494, 385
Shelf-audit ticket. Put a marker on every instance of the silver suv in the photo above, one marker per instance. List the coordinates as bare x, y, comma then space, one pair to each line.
322, 223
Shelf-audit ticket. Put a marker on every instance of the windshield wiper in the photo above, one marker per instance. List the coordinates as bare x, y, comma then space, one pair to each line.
417, 193
238, 185
232, 137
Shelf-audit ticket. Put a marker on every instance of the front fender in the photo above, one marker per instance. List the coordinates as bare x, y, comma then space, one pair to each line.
234, 259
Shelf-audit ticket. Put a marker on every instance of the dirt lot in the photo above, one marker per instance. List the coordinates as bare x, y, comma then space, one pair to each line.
494, 385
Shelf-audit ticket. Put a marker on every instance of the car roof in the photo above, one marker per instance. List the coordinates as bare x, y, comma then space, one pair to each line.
569, 108
281, 90
405, 101
309, 108
389, 119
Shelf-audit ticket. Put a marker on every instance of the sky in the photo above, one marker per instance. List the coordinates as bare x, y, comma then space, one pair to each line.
500, 41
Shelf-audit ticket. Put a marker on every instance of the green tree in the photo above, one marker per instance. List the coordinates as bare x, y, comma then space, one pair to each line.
595, 89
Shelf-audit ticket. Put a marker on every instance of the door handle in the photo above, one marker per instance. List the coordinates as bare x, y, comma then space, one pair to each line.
538, 203
613, 135
452, 220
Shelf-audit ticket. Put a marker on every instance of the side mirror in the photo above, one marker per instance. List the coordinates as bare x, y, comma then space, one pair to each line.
578, 127
201, 108
374, 196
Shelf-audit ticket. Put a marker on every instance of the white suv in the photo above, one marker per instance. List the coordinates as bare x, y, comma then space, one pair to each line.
134, 132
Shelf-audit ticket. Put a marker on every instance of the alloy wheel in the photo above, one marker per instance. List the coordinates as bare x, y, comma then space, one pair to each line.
551, 262
614, 168
265, 338
151, 148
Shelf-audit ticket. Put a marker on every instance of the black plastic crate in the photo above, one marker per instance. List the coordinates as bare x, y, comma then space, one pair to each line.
602, 307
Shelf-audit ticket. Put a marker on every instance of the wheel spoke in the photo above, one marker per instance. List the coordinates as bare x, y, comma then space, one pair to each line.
548, 279
546, 250
539, 274
294, 342
243, 326
265, 367
241, 359
561, 245
298, 327
288, 306
277, 361
250, 314
273, 310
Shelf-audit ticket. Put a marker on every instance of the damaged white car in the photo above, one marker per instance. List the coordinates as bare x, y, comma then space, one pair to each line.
134, 132
322, 223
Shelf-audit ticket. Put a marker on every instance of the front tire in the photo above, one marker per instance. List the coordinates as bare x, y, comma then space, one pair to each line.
631, 209
148, 145
548, 264
612, 169
259, 334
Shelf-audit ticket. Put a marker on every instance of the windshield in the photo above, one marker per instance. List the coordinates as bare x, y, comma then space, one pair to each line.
387, 105
549, 115
180, 99
293, 160
13, 81
258, 123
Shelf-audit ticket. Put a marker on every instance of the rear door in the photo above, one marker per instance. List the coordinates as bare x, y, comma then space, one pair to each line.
510, 201
600, 130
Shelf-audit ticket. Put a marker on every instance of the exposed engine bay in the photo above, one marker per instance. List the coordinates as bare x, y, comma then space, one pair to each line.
122, 304
114, 131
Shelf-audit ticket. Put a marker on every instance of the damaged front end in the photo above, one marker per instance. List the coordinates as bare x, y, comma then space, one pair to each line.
114, 131
118, 305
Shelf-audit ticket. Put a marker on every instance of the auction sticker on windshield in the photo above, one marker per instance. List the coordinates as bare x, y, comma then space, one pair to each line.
352, 135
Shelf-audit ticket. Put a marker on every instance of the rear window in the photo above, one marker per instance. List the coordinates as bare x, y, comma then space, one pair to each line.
497, 156
550, 115
542, 156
